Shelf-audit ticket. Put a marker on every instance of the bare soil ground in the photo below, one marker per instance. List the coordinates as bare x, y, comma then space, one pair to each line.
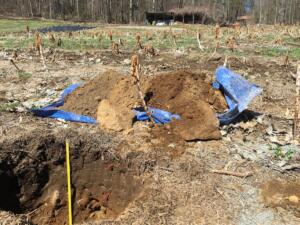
147, 175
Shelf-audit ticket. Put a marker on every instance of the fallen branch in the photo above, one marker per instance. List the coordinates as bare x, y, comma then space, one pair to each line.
294, 44
15, 65
231, 173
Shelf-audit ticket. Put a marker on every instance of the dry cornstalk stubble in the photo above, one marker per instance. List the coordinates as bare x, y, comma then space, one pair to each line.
217, 36
297, 105
138, 41
199, 41
39, 48
173, 36
115, 48
135, 74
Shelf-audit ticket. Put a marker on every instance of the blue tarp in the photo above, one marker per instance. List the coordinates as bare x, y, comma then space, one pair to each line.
238, 93
64, 28
51, 110
159, 116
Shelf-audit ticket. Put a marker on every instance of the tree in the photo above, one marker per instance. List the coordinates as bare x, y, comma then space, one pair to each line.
133, 11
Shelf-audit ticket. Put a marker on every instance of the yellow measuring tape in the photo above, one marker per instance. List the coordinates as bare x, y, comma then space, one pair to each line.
69, 182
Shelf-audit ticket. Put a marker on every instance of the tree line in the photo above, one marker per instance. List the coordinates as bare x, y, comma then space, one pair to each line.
133, 11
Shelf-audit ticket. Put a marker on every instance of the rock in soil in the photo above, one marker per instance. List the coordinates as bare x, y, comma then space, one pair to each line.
114, 117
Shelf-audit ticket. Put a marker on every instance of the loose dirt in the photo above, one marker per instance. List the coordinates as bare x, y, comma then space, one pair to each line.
187, 94
85, 100
191, 96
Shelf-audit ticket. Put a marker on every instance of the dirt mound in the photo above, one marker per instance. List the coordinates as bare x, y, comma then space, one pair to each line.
85, 100
170, 90
187, 94
191, 96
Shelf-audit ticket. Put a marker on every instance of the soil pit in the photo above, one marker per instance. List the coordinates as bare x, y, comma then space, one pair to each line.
33, 178
185, 93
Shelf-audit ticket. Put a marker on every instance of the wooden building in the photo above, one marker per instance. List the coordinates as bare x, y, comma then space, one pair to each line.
184, 15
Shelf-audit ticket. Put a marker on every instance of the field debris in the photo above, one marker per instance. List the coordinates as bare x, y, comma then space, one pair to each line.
231, 173
297, 104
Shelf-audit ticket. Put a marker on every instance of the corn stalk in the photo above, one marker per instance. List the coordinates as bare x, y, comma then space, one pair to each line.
199, 42
28, 31
148, 49
297, 105
115, 48
110, 35
138, 41
217, 35
173, 38
135, 74
39, 48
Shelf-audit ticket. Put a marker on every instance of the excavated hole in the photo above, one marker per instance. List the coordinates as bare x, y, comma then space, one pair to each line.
33, 178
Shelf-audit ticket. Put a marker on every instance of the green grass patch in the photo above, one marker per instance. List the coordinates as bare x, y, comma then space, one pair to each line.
19, 25
8, 107
279, 153
293, 53
24, 75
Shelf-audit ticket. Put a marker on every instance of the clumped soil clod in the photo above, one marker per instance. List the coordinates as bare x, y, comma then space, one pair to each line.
33, 178
187, 94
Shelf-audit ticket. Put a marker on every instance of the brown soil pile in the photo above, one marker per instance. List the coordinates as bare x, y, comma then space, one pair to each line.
191, 96
85, 100
168, 90
187, 94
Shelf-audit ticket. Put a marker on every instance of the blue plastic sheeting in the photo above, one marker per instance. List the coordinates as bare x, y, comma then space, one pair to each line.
159, 116
238, 93
51, 110
64, 28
